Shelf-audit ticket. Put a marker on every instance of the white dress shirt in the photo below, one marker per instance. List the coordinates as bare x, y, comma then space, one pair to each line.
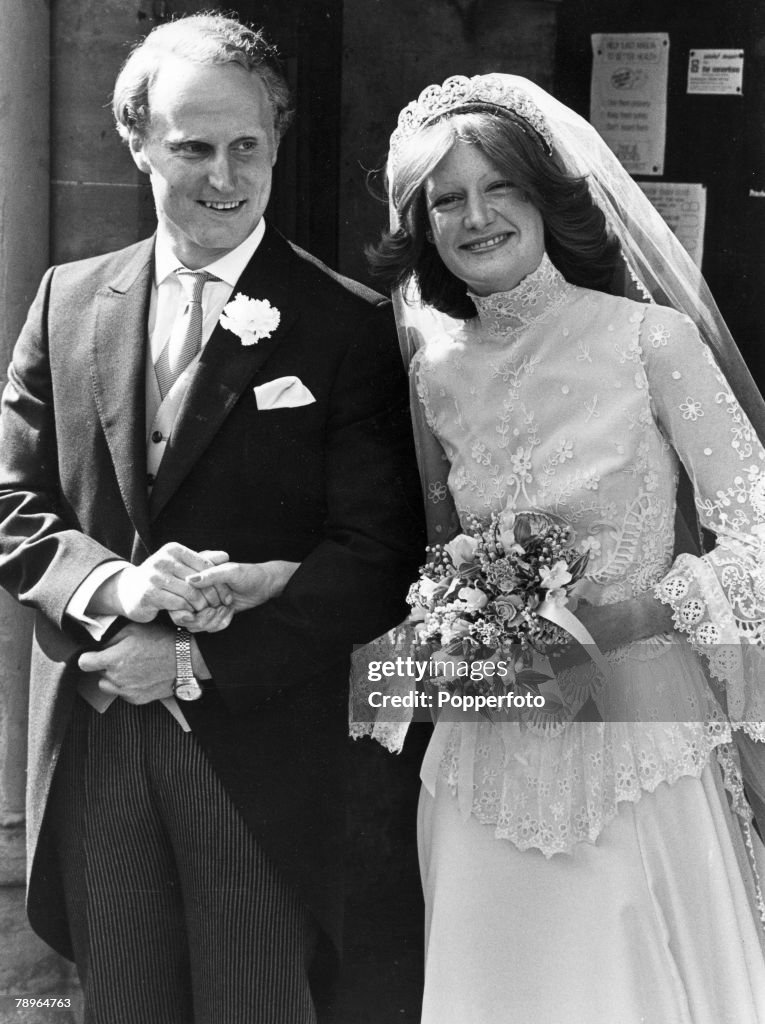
166, 302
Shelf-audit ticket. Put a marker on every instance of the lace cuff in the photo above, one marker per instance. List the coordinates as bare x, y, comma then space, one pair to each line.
371, 711
704, 594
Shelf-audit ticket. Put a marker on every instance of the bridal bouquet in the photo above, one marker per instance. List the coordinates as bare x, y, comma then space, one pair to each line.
494, 593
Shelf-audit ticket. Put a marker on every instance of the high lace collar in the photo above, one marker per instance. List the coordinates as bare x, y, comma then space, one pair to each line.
537, 296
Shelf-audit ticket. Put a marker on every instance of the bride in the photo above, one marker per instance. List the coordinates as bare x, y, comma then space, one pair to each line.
597, 872
601, 872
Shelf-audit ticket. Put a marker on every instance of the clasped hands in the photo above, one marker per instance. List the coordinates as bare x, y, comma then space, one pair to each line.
201, 591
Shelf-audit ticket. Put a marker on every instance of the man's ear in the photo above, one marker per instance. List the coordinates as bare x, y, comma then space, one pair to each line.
135, 142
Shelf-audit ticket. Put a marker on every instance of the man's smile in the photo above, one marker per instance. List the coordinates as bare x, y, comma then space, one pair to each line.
234, 204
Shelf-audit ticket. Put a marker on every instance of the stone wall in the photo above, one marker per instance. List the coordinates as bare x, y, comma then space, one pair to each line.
27, 966
99, 200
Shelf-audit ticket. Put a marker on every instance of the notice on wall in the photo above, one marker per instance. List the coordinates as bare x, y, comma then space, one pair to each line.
716, 72
684, 208
628, 97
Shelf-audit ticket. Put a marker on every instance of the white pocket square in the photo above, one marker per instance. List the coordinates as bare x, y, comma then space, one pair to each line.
282, 393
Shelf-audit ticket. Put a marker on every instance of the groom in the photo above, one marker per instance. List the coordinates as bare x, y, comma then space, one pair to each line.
185, 810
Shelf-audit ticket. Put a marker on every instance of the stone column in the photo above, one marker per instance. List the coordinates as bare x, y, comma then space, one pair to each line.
27, 966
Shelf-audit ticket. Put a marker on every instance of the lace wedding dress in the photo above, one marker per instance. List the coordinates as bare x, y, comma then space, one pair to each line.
604, 872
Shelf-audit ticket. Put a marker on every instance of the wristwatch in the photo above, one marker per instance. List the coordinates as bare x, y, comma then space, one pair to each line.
186, 685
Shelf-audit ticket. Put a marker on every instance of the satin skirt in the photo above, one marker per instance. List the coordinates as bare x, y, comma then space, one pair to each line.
655, 923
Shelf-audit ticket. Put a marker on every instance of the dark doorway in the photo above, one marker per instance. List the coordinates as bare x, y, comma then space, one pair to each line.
718, 141
304, 202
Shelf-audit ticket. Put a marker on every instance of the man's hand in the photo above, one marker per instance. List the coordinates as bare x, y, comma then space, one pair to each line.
209, 620
139, 592
138, 664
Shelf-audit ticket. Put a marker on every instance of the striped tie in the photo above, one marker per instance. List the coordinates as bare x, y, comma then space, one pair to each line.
186, 336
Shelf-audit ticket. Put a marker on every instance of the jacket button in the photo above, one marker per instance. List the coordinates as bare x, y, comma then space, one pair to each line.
156, 436
149, 479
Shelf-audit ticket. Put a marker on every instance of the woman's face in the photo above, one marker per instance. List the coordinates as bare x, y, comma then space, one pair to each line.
486, 232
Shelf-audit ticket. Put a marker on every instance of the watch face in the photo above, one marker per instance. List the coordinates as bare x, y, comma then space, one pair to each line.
187, 689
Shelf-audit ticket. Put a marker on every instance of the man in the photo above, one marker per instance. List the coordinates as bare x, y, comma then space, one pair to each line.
196, 875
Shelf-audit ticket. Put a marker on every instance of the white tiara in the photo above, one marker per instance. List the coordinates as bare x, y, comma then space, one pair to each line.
459, 91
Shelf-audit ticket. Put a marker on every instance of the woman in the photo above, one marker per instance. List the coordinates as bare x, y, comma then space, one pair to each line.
603, 871
599, 872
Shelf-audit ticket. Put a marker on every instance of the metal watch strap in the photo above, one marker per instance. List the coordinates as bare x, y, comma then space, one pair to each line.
186, 685
183, 667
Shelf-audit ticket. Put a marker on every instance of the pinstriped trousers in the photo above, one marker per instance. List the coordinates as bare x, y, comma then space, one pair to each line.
176, 915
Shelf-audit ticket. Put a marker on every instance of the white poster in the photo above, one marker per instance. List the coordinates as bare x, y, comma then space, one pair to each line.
716, 72
684, 208
628, 97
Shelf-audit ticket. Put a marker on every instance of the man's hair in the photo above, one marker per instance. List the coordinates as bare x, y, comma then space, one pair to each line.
576, 237
209, 39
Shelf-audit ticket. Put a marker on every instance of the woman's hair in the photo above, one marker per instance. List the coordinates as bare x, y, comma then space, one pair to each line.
576, 237
210, 39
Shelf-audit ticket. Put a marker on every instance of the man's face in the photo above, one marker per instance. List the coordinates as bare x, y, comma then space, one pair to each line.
209, 150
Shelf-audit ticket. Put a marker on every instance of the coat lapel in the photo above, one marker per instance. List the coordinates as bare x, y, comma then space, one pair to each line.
119, 347
226, 367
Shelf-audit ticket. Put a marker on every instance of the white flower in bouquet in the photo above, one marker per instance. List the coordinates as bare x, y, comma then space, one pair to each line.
462, 550
429, 588
506, 530
418, 614
454, 630
473, 598
554, 579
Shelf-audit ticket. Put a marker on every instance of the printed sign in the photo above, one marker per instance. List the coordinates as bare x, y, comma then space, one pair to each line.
628, 97
684, 208
716, 72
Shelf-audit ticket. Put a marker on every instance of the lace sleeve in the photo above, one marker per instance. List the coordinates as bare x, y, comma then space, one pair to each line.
718, 599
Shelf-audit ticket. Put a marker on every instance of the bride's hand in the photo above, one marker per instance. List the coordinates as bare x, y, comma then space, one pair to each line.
615, 625
248, 584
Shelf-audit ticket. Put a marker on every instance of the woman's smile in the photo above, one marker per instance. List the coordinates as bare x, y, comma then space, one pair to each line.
488, 243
